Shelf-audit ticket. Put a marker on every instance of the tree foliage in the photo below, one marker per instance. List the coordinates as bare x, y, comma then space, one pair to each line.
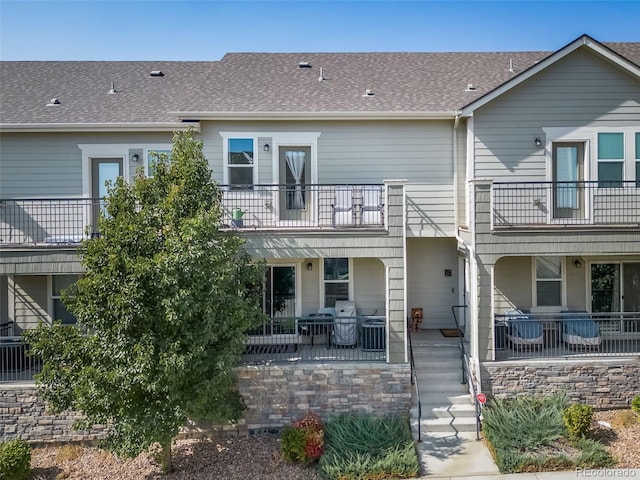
162, 310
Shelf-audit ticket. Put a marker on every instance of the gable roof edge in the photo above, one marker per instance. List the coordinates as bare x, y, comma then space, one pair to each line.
584, 40
340, 115
97, 127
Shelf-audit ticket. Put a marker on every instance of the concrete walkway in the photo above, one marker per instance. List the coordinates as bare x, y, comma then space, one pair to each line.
449, 449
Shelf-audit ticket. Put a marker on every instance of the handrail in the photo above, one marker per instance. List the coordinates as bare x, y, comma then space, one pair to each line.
467, 375
414, 382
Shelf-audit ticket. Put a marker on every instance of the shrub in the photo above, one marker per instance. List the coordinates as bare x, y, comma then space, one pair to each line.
577, 419
635, 404
15, 460
303, 441
369, 448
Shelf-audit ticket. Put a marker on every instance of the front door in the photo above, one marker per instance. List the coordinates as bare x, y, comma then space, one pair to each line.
103, 170
568, 178
295, 174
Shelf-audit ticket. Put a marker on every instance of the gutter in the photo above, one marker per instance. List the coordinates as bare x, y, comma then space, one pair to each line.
99, 127
340, 115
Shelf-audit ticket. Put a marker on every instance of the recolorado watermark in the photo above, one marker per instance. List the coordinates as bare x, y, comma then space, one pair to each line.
607, 473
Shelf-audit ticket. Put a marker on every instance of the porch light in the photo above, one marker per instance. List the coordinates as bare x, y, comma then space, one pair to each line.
266, 147
538, 142
135, 157
309, 266
577, 263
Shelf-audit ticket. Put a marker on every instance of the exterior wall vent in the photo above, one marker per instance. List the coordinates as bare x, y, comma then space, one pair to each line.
156, 73
304, 65
369, 93
54, 102
470, 87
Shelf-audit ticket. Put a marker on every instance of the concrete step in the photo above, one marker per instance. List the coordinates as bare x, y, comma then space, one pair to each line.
445, 399
450, 411
433, 385
446, 425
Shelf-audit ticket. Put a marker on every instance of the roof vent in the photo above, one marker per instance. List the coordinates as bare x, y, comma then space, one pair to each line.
470, 87
304, 65
511, 65
369, 93
321, 77
112, 90
53, 102
156, 73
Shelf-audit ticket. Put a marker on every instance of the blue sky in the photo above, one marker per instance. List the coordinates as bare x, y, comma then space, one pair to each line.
206, 30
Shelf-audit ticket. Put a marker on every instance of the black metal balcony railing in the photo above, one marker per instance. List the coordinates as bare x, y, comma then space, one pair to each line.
304, 206
69, 220
566, 335
300, 339
47, 221
593, 203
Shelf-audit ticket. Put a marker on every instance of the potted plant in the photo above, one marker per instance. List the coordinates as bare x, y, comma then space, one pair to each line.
236, 217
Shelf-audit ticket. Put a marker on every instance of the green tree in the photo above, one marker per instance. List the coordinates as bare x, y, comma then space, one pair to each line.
164, 305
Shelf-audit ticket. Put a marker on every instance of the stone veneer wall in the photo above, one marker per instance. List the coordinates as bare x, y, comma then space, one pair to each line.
275, 395
601, 383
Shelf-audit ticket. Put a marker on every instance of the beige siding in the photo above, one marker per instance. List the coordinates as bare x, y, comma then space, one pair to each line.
30, 301
427, 286
569, 93
512, 277
430, 210
369, 286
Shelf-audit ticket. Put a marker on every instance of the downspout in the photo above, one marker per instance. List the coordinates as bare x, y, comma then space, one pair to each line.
454, 136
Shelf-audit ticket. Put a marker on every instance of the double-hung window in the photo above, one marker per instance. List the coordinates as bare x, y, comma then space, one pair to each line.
336, 280
240, 163
153, 157
549, 275
59, 311
610, 159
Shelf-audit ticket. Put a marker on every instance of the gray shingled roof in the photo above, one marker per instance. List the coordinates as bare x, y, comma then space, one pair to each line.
257, 82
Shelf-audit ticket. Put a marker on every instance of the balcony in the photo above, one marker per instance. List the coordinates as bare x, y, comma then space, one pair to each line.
67, 221
303, 206
593, 204
566, 335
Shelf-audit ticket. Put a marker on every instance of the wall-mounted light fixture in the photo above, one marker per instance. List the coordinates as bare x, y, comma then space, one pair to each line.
266, 147
577, 263
538, 142
309, 266
135, 157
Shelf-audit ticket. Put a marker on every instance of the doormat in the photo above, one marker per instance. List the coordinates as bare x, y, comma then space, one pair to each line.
451, 332
270, 349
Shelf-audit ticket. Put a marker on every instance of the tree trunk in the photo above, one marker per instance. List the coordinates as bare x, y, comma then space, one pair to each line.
166, 463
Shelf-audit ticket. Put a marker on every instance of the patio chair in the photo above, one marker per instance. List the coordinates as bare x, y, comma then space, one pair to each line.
579, 330
372, 205
522, 331
345, 324
342, 210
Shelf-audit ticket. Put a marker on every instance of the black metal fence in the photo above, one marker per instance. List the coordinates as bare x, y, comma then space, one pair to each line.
317, 339
519, 335
16, 364
606, 203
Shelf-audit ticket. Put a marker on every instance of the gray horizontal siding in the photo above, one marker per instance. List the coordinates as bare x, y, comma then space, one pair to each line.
580, 90
430, 210
50, 164
350, 152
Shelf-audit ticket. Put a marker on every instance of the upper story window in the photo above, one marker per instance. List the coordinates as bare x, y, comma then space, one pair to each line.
240, 163
549, 277
153, 157
610, 159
